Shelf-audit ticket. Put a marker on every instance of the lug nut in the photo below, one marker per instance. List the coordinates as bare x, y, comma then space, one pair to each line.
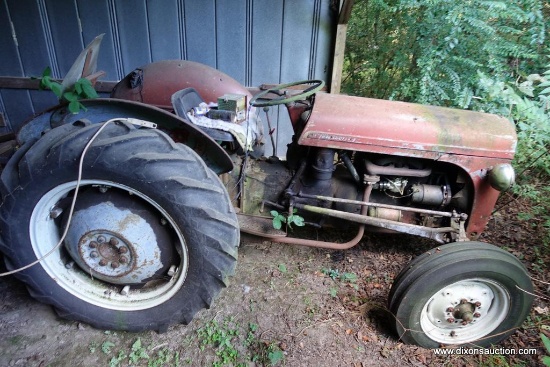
123, 260
102, 262
114, 265
122, 250
113, 241
101, 239
477, 314
450, 309
94, 254
465, 323
450, 320
463, 301
478, 304
93, 244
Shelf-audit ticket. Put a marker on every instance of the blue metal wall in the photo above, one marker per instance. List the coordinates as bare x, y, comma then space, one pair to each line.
254, 41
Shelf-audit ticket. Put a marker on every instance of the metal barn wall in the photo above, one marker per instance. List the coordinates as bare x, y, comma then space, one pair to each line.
254, 41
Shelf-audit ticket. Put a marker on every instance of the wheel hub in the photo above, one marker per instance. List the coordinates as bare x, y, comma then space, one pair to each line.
117, 238
464, 311
106, 252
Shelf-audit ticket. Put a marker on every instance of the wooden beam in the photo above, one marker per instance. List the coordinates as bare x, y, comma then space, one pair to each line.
340, 46
16, 82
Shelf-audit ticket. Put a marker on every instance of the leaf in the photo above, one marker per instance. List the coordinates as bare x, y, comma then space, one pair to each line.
274, 213
275, 357
277, 224
136, 345
78, 88
299, 221
282, 268
74, 107
57, 89
45, 82
545, 91
106, 347
88, 90
70, 96
333, 292
545, 341
47, 72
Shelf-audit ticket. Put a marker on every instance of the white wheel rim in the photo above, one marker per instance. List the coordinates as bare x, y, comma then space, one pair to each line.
45, 234
490, 302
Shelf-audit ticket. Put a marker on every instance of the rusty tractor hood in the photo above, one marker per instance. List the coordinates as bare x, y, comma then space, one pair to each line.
372, 125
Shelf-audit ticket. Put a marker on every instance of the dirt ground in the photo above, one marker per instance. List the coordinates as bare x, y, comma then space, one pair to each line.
291, 306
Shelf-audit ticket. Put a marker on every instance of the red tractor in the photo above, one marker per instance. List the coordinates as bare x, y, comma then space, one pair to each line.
131, 209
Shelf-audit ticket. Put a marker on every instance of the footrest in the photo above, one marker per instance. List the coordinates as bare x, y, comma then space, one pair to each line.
259, 226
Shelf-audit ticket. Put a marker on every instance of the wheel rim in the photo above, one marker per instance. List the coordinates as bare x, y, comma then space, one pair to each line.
45, 233
465, 311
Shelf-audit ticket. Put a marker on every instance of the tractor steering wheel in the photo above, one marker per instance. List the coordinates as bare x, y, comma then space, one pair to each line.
283, 98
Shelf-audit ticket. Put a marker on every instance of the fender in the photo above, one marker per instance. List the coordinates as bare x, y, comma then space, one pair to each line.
103, 109
155, 83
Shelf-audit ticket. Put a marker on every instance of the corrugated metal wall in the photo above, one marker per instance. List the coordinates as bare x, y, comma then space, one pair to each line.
254, 41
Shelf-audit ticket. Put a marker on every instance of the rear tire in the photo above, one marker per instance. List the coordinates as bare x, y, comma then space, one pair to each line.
159, 201
464, 293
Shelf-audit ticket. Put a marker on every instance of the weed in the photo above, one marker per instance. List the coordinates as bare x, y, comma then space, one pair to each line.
93, 347
268, 353
282, 268
334, 274
82, 89
250, 337
115, 361
221, 338
138, 352
280, 218
106, 346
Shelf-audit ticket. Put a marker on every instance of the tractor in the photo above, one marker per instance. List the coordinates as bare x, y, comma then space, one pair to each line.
127, 215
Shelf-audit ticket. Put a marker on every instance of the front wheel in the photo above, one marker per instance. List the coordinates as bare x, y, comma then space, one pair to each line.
462, 293
152, 239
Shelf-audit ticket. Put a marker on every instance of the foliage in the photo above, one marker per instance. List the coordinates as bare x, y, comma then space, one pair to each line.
431, 51
82, 89
221, 337
280, 218
137, 355
224, 337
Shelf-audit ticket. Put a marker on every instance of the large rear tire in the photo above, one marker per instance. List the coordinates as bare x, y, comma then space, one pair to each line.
464, 293
152, 239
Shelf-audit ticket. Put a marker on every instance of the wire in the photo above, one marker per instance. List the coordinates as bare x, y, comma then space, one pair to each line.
78, 181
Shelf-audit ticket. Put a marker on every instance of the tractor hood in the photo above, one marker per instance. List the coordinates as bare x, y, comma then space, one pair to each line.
372, 125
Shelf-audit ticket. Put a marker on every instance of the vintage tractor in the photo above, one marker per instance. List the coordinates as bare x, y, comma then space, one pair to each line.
130, 210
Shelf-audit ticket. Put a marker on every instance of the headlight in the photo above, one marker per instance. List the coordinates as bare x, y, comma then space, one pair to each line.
502, 176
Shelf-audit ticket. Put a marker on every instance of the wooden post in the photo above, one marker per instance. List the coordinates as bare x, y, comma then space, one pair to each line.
340, 46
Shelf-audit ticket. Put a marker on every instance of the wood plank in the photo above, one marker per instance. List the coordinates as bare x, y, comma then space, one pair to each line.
15, 82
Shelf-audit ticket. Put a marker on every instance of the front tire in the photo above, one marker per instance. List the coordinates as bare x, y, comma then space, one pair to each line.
464, 293
153, 237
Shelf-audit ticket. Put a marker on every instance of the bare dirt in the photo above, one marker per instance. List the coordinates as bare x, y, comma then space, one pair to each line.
283, 307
